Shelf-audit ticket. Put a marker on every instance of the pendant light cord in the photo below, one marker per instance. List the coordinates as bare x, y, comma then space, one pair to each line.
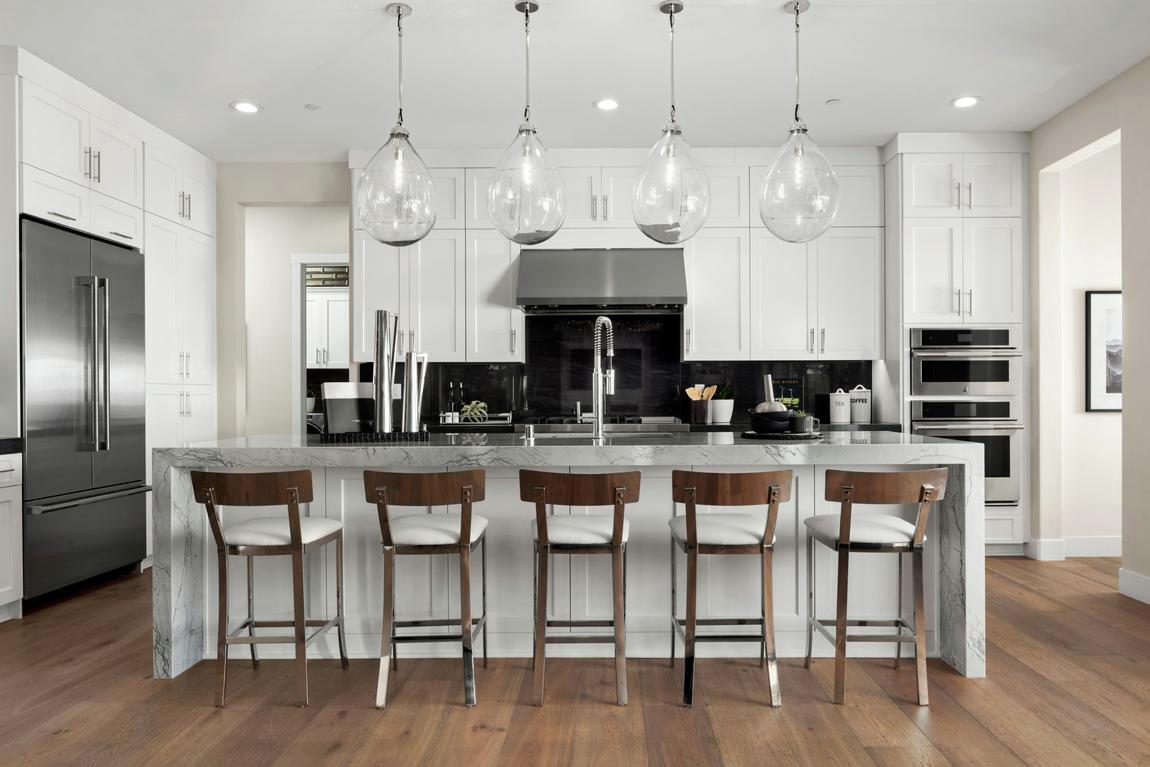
797, 11
527, 60
399, 30
671, 19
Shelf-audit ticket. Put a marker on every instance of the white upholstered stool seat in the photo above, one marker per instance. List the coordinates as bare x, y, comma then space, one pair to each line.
722, 529
275, 531
876, 529
433, 529
581, 530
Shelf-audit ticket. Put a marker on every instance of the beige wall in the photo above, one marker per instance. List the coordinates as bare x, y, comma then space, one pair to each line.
1122, 104
241, 186
272, 235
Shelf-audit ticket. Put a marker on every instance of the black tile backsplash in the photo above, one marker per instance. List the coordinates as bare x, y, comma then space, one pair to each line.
649, 376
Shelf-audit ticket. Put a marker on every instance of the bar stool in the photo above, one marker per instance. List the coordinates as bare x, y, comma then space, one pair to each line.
580, 534
423, 534
881, 533
729, 533
292, 536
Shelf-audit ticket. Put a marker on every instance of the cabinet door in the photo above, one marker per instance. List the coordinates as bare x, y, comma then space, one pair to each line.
54, 199
860, 196
163, 418
993, 185
117, 162
54, 134
476, 181
582, 190
716, 319
730, 196
993, 269
437, 268
116, 220
199, 187
618, 191
162, 183
850, 307
494, 322
338, 331
163, 363
315, 326
450, 185
932, 271
199, 424
782, 298
196, 305
11, 545
379, 281
931, 184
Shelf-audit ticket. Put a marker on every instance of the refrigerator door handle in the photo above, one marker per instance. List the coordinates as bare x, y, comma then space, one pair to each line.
50, 507
93, 415
106, 365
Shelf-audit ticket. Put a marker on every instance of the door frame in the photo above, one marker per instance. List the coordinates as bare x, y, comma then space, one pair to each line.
299, 263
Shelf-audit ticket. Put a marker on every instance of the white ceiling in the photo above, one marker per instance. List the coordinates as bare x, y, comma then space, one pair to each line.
896, 64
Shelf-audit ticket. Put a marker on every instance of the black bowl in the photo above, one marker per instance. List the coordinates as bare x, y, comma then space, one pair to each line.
770, 423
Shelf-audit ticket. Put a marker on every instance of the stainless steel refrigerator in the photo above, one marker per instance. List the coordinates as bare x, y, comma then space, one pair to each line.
83, 401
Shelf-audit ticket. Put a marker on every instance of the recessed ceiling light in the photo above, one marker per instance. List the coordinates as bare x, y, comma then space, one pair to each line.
607, 105
246, 107
311, 107
964, 102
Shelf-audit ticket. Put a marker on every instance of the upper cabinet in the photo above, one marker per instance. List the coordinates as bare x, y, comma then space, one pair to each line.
450, 196
716, 319
860, 196
962, 185
180, 186
817, 300
495, 323
66, 141
328, 327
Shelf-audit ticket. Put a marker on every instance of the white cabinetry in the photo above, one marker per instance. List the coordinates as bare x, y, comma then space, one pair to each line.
54, 199
116, 220
63, 139
328, 328
495, 324
716, 319
962, 185
819, 300
962, 271
423, 284
11, 533
860, 195
178, 415
450, 198
180, 187
180, 274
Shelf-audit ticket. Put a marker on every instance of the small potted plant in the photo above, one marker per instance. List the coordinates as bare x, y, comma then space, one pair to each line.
722, 405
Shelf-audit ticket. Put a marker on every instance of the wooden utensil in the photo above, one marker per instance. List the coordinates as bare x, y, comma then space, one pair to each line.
710, 391
693, 394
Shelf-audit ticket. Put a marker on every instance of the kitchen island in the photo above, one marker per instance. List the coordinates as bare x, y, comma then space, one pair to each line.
184, 560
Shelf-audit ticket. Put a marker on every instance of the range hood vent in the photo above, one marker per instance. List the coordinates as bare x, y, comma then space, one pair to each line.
619, 279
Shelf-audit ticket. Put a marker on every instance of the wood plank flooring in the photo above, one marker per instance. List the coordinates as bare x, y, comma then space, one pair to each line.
1069, 684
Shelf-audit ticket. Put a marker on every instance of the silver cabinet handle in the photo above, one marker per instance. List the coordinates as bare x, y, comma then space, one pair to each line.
958, 194
822, 340
957, 300
181, 204
87, 162
688, 339
121, 235
188, 367
969, 302
183, 405
61, 215
98, 176
811, 342
605, 207
412, 348
969, 194
513, 340
180, 357
189, 198
189, 396
325, 356
594, 208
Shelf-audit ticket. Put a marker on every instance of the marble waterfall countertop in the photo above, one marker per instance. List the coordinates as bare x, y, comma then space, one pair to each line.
183, 603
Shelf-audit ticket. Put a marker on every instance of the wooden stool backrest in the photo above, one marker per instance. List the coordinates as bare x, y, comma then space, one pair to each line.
252, 488
615, 489
437, 488
755, 488
922, 487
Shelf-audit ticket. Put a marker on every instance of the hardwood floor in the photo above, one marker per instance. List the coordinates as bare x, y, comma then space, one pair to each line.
1069, 684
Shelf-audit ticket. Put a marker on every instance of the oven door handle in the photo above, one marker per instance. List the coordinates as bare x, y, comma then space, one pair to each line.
975, 426
972, 355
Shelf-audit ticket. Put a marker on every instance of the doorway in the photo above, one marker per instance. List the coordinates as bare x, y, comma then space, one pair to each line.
321, 329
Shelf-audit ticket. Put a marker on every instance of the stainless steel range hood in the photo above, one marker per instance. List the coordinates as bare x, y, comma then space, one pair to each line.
621, 279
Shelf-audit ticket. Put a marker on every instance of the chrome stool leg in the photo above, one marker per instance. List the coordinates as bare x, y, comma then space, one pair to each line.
811, 617
898, 629
483, 567
674, 599
252, 615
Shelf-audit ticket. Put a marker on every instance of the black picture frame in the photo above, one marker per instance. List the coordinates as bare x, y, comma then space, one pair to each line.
1096, 401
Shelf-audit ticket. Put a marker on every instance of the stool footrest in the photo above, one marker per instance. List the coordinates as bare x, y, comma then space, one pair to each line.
824, 627
581, 623
580, 639
476, 627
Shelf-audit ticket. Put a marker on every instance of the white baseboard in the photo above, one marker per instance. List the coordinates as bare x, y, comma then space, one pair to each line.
1094, 546
1046, 549
145, 563
1005, 549
1134, 585
11, 611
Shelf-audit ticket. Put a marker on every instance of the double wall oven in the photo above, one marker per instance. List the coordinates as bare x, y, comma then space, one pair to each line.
966, 384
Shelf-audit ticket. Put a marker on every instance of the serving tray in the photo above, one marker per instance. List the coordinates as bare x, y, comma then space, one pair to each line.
784, 436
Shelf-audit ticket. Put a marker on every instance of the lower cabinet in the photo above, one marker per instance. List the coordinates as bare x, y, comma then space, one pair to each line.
11, 546
176, 416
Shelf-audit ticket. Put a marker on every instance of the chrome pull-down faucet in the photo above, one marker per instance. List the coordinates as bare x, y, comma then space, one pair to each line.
602, 381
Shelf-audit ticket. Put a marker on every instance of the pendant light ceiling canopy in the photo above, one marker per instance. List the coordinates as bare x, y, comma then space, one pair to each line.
395, 197
672, 196
800, 193
525, 196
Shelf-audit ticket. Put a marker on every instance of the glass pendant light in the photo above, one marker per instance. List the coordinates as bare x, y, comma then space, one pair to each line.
672, 196
395, 199
800, 194
525, 197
